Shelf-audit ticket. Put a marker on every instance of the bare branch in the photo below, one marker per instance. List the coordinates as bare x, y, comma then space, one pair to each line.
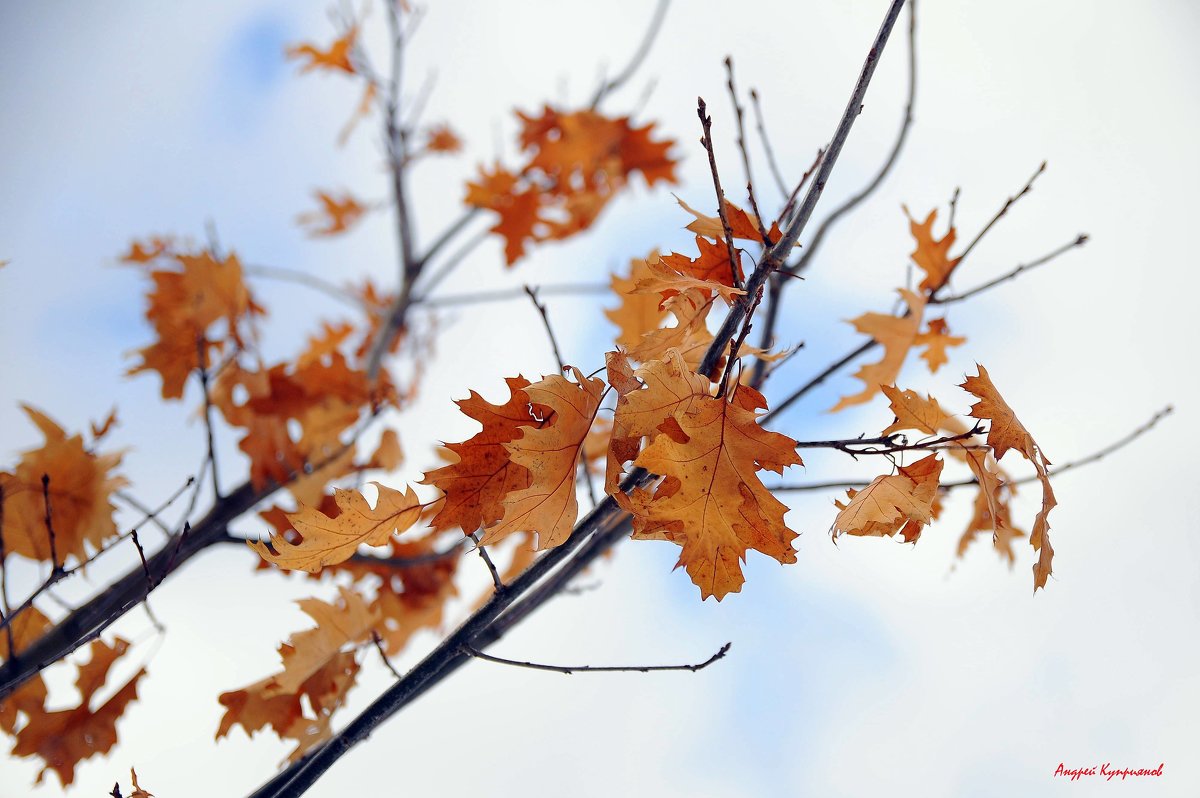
378, 641
571, 669
850, 204
774, 257
706, 140
639, 55
964, 483
772, 164
506, 294
739, 116
541, 309
211, 452
1079, 241
312, 281
497, 582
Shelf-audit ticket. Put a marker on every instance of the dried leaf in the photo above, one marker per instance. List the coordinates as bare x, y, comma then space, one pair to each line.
551, 453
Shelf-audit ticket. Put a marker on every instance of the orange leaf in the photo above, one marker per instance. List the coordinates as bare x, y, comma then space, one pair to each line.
713, 504
1007, 432
64, 738
638, 313
932, 255
897, 335
892, 503
336, 215
334, 58
484, 474
551, 453
328, 541
79, 489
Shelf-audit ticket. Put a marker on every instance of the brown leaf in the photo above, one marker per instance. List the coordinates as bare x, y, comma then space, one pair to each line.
80, 486
328, 541
551, 453
1007, 432
716, 508
901, 502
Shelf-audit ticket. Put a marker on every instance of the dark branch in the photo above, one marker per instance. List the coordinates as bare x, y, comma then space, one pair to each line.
570, 669
774, 257
541, 309
1024, 267
706, 140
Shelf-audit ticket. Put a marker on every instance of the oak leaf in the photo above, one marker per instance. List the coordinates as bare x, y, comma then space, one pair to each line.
1007, 432
713, 503
63, 738
932, 254
79, 488
337, 214
475, 485
741, 224
328, 541
343, 622
639, 312
896, 334
551, 453
336, 57
937, 339
901, 502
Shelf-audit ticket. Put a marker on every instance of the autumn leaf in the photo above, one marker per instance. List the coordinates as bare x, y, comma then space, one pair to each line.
913, 412
328, 541
80, 486
712, 268
937, 339
138, 792
715, 506
441, 139
551, 453
742, 225
932, 254
335, 58
64, 738
337, 214
414, 597
896, 334
340, 623
1007, 432
184, 306
576, 163
484, 474
302, 716
638, 312
901, 502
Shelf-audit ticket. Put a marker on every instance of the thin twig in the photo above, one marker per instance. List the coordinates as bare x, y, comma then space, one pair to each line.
774, 257
378, 641
706, 140
964, 483
541, 309
497, 582
506, 294
312, 281
854, 201
639, 55
739, 116
954, 204
55, 565
571, 669
979, 236
772, 164
12, 651
211, 453
1079, 241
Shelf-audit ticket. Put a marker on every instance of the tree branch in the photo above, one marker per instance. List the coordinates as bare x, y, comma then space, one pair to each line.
571, 669
774, 257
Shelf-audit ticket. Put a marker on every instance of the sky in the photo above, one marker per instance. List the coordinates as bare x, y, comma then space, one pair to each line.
866, 667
